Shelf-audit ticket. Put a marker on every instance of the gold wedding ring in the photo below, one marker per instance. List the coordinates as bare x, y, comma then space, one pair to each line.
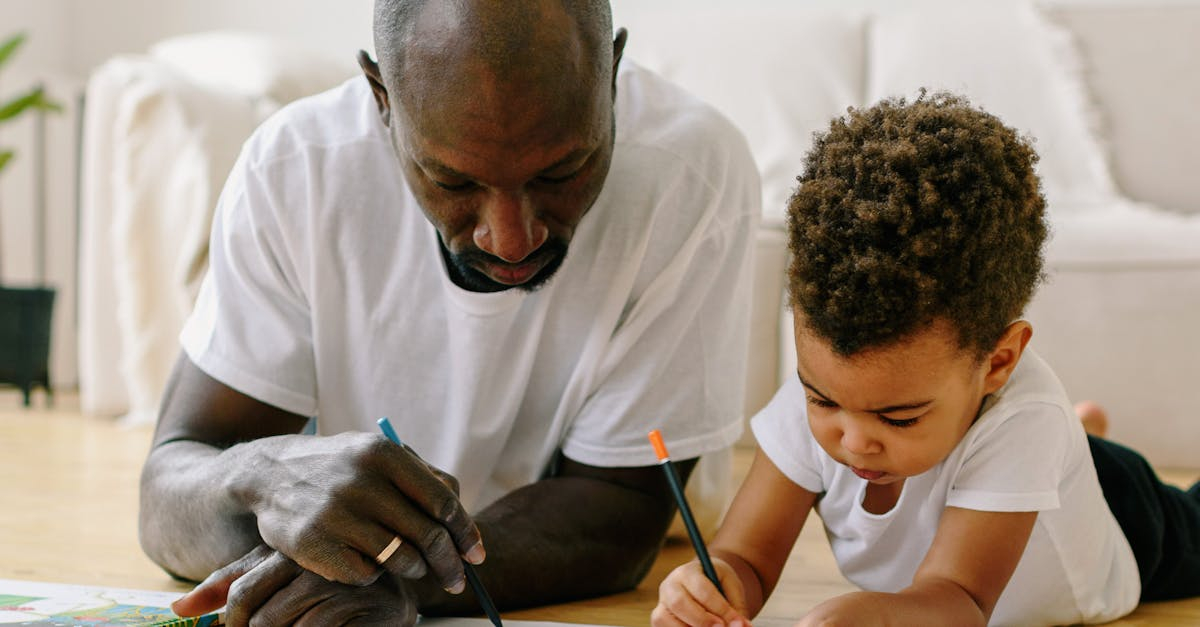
388, 550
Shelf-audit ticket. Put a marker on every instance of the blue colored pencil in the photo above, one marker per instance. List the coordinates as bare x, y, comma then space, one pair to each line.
485, 600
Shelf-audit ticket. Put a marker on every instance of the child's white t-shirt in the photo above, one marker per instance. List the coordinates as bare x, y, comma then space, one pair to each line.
1026, 452
327, 296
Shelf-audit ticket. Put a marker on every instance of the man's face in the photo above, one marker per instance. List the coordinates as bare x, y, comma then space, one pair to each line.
504, 169
505, 189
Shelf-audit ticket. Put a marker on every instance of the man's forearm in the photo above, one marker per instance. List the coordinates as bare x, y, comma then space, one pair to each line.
561, 539
189, 523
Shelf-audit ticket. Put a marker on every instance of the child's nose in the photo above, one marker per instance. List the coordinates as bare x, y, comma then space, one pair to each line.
858, 440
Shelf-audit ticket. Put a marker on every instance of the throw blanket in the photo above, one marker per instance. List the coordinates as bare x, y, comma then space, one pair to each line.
157, 149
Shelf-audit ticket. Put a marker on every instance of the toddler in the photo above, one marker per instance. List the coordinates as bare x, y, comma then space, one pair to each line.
954, 480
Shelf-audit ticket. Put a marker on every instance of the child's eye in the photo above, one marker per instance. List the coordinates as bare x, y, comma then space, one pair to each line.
907, 422
820, 402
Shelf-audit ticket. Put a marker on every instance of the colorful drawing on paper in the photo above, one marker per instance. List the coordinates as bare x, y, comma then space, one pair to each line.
28, 603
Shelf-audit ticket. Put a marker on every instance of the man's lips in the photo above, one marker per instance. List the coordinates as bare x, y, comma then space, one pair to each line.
513, 274
869, 475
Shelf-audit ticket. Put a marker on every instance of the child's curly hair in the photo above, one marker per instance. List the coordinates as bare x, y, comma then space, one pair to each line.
911, 212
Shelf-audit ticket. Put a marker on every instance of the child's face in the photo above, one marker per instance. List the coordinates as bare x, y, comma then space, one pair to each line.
895, 412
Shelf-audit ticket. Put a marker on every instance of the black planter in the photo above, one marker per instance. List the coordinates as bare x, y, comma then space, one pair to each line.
25, 337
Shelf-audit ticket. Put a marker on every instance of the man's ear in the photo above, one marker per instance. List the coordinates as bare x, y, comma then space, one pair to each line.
371, 70
1003, 359
618, 52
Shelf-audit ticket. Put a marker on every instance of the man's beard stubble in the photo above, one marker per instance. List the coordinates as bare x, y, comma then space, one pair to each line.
462, 270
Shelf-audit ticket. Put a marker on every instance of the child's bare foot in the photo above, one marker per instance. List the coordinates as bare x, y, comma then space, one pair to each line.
1093, 417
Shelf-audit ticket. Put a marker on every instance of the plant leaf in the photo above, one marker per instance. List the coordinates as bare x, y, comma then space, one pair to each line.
5, 157
10, 46
45, 104
33, 99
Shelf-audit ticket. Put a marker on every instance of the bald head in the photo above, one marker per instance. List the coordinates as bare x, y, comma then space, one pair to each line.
453, 66
528, 41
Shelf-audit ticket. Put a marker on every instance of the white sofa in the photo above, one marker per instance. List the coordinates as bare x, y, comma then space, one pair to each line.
1108, 92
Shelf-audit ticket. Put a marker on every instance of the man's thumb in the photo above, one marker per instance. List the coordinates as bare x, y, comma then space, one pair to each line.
210, 595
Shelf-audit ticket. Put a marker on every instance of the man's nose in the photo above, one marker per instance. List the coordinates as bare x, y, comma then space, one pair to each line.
508, 227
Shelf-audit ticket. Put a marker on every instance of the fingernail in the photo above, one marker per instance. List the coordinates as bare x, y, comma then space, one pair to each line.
457, 587
476, 555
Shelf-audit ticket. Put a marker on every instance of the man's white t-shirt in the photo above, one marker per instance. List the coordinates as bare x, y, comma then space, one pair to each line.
1026, 452
327, 296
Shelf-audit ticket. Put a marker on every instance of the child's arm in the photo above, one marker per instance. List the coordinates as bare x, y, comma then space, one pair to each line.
972, 557
749, 551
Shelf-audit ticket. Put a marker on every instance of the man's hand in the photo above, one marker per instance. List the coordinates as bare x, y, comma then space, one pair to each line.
228, 473
334, 503
269, 589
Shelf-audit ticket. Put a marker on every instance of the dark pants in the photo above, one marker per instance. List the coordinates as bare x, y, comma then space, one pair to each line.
1161, 522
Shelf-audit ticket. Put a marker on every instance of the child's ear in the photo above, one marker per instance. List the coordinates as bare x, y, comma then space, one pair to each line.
1003, 359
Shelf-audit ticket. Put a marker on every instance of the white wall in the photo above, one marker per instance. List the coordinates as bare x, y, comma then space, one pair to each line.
48, 19
102, 29
69, 38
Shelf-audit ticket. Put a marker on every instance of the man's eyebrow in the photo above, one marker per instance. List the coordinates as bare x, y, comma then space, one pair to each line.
437, 167
570, 157
431, 164
880, 410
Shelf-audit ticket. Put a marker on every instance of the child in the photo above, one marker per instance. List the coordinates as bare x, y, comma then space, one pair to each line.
955, 483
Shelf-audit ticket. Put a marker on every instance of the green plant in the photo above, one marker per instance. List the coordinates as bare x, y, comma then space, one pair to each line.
34, 99
26, 312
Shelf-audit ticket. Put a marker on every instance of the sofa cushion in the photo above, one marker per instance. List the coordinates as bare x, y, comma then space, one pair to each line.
253, 66
1124, 235
806, 67
1142, 60
1010, 60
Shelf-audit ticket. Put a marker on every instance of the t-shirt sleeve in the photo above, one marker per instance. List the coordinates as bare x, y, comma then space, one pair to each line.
781, 429
1016, 465
676, 362
250, 328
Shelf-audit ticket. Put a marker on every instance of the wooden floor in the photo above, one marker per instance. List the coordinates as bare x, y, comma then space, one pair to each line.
811, 575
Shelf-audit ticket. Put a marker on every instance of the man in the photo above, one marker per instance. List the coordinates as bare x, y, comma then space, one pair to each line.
398, 246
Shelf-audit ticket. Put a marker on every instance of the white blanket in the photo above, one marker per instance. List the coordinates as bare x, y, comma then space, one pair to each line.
161, 133
157, 150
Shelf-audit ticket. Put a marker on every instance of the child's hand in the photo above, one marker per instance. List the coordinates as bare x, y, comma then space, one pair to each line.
687, 597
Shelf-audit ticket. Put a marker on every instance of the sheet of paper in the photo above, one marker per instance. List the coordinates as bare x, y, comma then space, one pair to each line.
65, 605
